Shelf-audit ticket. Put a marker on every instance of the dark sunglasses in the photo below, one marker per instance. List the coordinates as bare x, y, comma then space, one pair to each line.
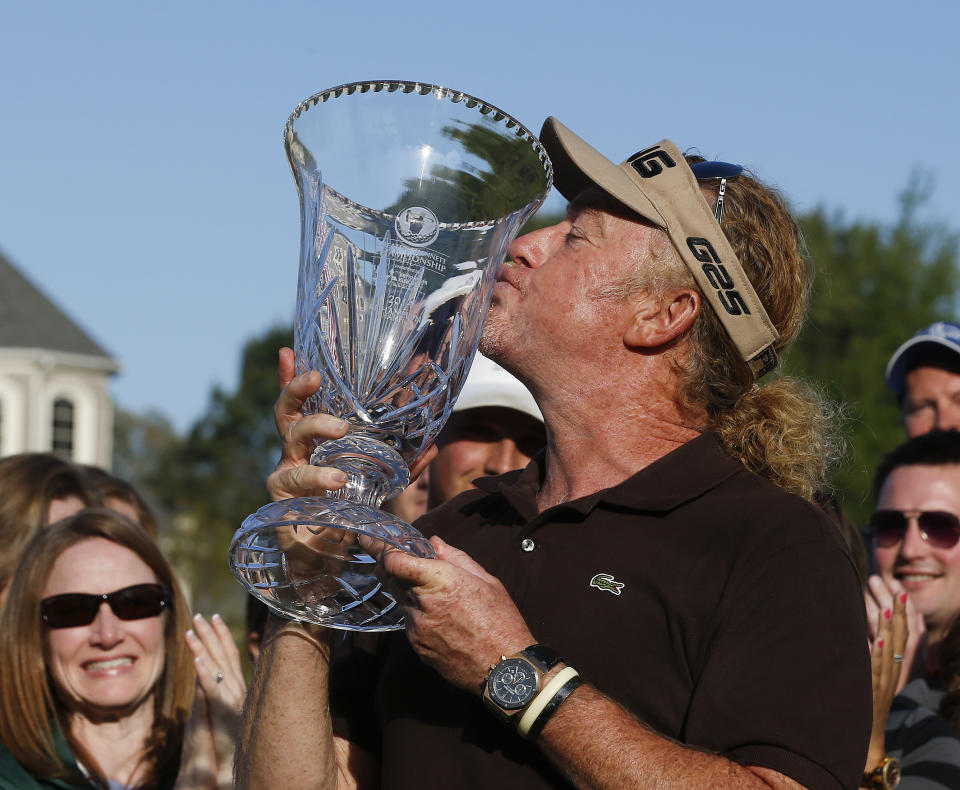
938, 528
708, 171
131, 603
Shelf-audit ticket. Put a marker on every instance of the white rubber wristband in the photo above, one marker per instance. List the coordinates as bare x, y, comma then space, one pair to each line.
540, 701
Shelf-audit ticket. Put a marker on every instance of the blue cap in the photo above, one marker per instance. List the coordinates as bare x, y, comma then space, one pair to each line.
939, 340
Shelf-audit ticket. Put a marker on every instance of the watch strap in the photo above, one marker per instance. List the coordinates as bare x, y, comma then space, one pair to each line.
543, 657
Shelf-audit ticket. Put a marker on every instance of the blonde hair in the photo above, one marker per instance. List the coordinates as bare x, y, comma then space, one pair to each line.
29, 706
785, 430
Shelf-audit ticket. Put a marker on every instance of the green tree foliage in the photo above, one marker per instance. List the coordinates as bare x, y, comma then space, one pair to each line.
875, 286
140, 443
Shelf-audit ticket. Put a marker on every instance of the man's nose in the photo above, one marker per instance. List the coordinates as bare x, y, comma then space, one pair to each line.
529, 249
913, 543
502, 456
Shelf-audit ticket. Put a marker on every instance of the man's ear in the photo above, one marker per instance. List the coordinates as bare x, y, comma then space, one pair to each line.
658, 322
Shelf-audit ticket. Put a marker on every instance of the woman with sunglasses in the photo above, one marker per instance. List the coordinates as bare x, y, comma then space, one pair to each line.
97, 680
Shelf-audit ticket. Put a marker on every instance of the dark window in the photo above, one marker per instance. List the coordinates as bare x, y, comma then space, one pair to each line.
63, 427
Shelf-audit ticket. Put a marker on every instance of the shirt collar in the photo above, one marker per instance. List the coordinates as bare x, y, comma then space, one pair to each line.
680, 476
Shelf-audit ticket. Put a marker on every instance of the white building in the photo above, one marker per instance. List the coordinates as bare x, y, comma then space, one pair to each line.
53, 378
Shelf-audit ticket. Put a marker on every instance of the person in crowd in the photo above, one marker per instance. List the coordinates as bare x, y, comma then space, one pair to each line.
117, 494
35, 490
913, 532
652, 601
910, 747
97, 686
496, 426
924, 374
209, 740
920, 478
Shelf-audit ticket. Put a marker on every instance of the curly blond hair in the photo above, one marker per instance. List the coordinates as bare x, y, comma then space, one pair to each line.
785, 430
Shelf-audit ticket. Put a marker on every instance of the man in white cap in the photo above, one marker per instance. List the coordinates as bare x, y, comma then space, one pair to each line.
649, 603
924, 374
496, 426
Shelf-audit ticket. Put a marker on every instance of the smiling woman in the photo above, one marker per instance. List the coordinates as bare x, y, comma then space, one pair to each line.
98, 682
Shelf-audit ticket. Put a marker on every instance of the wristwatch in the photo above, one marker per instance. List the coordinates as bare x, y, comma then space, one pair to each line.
514, 682
885, 776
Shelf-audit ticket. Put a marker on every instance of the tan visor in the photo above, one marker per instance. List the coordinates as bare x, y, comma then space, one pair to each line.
659, 185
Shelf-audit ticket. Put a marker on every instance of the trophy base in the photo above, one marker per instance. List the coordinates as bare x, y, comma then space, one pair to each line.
305, 559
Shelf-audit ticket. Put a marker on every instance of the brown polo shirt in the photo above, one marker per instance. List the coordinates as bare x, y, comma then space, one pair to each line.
717, 608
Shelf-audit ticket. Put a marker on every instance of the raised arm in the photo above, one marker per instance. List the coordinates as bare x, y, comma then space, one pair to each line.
286, 736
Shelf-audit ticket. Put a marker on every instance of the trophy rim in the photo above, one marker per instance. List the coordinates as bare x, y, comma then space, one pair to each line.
423, 88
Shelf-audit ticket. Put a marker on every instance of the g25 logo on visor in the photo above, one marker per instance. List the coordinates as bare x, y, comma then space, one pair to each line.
718, 276
650, 161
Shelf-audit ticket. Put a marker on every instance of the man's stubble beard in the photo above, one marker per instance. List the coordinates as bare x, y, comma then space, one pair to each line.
496, 333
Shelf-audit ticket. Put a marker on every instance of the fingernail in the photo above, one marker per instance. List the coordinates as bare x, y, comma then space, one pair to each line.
339, 477
886, 613
216, 617
903, 598
879, 643
198, 617
340, 424
191, 634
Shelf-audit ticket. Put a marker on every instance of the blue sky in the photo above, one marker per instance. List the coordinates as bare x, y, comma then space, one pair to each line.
144, 187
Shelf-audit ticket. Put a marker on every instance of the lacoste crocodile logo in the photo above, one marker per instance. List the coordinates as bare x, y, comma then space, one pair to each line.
604, 581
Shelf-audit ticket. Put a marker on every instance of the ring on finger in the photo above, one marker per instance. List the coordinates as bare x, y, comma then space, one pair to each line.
898, 657
218, 678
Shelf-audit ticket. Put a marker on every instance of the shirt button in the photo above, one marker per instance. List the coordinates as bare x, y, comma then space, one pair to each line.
527, 544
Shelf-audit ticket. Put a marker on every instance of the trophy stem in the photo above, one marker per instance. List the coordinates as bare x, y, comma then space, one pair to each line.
375, 471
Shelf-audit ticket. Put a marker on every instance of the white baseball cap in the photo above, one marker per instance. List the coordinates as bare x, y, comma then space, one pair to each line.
488, 385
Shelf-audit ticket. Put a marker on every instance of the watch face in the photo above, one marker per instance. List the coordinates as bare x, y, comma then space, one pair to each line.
513, 683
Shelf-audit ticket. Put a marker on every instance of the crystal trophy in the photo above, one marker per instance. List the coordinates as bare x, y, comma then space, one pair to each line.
410, 195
